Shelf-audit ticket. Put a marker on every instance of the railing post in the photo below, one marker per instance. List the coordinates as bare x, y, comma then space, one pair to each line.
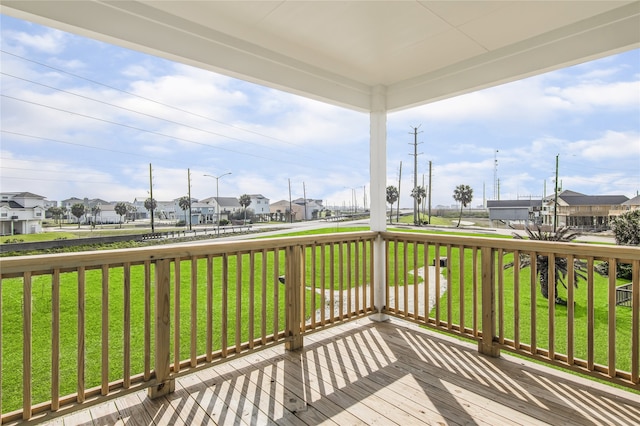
164, 383
294, 297
487, 345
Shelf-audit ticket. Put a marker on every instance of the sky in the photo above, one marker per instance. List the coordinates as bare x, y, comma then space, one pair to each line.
81, 118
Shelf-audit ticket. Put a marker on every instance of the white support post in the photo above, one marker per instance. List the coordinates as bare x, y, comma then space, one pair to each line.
378, 173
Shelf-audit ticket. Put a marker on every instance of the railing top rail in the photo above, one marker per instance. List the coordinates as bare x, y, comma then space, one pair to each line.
510, 244
44, 263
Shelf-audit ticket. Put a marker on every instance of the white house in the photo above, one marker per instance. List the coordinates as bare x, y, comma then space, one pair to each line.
21, 213
259, 205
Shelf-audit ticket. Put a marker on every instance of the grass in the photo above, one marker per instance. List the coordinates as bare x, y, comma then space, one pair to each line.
12, 296
525, 303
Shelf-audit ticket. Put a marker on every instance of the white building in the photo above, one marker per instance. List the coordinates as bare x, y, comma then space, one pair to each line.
21, 213
260, 206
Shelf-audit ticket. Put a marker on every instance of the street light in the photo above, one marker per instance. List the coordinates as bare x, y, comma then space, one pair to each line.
218, 202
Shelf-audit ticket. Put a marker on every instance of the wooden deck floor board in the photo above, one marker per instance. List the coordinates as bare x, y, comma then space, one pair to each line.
366, 373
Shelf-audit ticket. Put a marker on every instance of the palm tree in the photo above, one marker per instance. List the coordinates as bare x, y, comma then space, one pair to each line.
185, 203
392, 197
463, 194
121, 210
95, 210
565, 235
419, 194
245, 201
56, 213
151, 204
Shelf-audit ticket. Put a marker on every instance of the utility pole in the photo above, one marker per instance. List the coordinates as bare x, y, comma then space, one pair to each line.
153, 228
398, 206
290, 205
189, 195
429, 192
304, 194
415, 173
496, 193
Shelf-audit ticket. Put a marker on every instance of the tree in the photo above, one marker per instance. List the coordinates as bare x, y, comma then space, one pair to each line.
56, 213
419, 193
185, 203
151, 204
563, 235
78, 210
95, 210
245, 201
463, 194
626, 228
121, 210
392, 197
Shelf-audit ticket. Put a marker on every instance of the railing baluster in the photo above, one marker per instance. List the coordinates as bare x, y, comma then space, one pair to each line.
176, 315
194, 313
55, 340
500, 272
613, 274
427, 280
209, 338
276, 295
590, 315
570, 308
126, 346
635, 322
341, 280
358, 283
26, 346
81, 333
436, 261
349, 272
533, 287
323, 301
238, 330
449, 292
475, 292
405, 278
461, 292
147, 320
252, 296
551, 288
416, 276
332, 278
516, 299
263, 302
224, 325
105, 330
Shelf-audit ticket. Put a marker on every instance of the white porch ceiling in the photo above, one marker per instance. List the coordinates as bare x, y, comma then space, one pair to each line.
341, 51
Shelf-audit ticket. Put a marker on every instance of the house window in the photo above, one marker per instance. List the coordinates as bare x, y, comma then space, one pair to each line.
4, 214
38, 214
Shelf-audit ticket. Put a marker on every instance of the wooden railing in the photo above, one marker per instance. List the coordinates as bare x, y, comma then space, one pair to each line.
488, 289
77, 328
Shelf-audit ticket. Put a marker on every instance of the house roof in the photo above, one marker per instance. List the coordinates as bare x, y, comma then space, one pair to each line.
635, 201
27, 195
347, 52
227, 201
593, 200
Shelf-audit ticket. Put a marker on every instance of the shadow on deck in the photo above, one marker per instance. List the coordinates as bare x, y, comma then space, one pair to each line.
364, 372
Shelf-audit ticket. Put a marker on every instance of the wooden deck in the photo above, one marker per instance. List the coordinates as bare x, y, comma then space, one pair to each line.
373, 373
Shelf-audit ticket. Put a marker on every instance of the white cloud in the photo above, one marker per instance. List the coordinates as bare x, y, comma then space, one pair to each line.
47, 41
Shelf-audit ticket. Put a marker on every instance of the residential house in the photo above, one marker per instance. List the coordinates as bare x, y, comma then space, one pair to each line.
21, 213
224, 205
310, 208
629, 205
579, 210
285, 211
260, 206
